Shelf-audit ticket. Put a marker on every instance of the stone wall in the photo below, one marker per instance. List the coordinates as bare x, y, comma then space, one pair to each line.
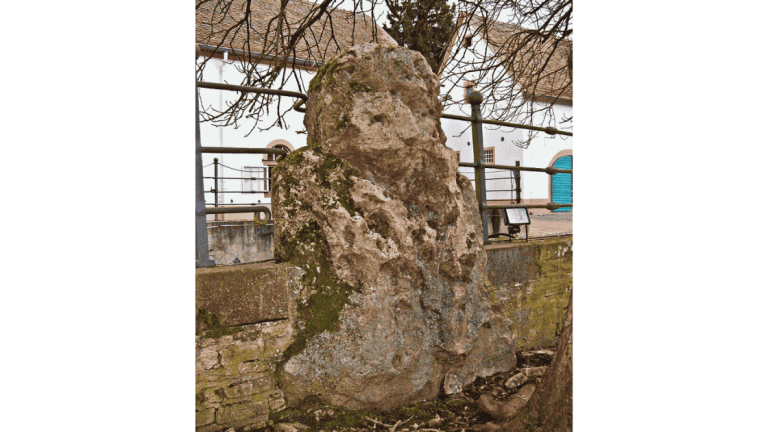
246, 321
530, 283
239, 242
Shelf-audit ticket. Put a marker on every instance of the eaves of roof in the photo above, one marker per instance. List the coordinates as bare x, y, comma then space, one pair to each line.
326, 38
556, 87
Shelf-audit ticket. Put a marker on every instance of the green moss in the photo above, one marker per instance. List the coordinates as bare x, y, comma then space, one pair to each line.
306, 247
208, 325
309, 250
360, 87
341, 184
343, 121
326, 71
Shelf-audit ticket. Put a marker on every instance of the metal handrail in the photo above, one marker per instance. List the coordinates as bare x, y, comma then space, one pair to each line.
475, 99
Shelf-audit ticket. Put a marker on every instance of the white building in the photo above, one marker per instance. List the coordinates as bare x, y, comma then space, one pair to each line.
503, 145
348, 30
543, 151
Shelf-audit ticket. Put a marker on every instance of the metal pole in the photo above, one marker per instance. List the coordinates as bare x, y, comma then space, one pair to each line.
216, 185
475, 99
518, 187
201, 228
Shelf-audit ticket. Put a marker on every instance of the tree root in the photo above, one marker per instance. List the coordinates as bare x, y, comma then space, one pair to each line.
392, 428
506, 409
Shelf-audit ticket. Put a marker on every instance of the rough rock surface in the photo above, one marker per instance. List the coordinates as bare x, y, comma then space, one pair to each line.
390, 238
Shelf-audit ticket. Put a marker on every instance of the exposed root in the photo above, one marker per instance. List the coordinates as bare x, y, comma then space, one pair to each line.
392, 428
506, 409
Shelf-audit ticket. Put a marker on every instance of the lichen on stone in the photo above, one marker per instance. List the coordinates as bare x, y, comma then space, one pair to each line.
373, 212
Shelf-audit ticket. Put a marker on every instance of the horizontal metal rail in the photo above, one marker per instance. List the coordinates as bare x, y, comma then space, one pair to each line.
548, 170
236, 204
275, 151
297, 106
241, 192
249, 209
237, 178
549, 130
549, 206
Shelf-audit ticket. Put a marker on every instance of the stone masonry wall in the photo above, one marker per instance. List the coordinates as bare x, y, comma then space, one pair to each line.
246, 321
531, 283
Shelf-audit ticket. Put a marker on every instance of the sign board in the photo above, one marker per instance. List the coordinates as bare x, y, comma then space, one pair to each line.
517, 216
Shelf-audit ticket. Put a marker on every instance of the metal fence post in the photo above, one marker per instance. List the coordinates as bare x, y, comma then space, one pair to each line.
518, 188
475, 99
216, 186
201, 228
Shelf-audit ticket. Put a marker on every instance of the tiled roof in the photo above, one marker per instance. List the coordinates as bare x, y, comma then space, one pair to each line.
317, 45
554, 82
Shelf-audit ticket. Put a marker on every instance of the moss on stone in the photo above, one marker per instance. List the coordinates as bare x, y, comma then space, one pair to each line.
208, 325
343, 121
308, 249
358, 87
341, 183
326, 71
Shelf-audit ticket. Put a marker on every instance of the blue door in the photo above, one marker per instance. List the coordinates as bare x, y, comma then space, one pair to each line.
562, 184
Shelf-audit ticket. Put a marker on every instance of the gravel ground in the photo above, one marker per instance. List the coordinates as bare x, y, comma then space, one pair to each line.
559, 223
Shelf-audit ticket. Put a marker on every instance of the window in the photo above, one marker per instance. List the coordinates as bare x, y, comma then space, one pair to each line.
270, 161
254, 179
467, 41
488, 155
458, 156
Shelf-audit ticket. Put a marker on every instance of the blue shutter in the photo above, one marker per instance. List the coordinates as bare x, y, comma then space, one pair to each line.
562, 184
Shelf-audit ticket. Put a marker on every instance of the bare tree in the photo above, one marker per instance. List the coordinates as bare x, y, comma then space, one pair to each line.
270, 41
523, 70
526, 65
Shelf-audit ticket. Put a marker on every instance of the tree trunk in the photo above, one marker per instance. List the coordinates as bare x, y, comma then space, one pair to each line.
550, 408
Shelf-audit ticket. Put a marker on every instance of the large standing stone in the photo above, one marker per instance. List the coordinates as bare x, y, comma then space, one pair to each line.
390, 238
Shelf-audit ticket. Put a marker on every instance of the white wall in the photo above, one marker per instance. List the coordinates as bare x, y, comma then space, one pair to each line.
539, 153
230, 136
542, 150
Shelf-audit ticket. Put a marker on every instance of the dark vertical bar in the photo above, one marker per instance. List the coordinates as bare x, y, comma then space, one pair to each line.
216, 185
201, 228
475, 99
518, 187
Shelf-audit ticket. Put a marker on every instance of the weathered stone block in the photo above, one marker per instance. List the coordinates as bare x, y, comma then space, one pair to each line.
244, 412
205, 417
533, 289
390, 239
244, 294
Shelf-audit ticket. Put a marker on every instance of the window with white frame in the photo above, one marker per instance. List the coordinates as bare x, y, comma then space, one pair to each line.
488, 155
254, 179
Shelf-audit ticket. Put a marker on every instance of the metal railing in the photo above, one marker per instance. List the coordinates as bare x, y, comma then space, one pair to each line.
264, 180
475, 99
202, 258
